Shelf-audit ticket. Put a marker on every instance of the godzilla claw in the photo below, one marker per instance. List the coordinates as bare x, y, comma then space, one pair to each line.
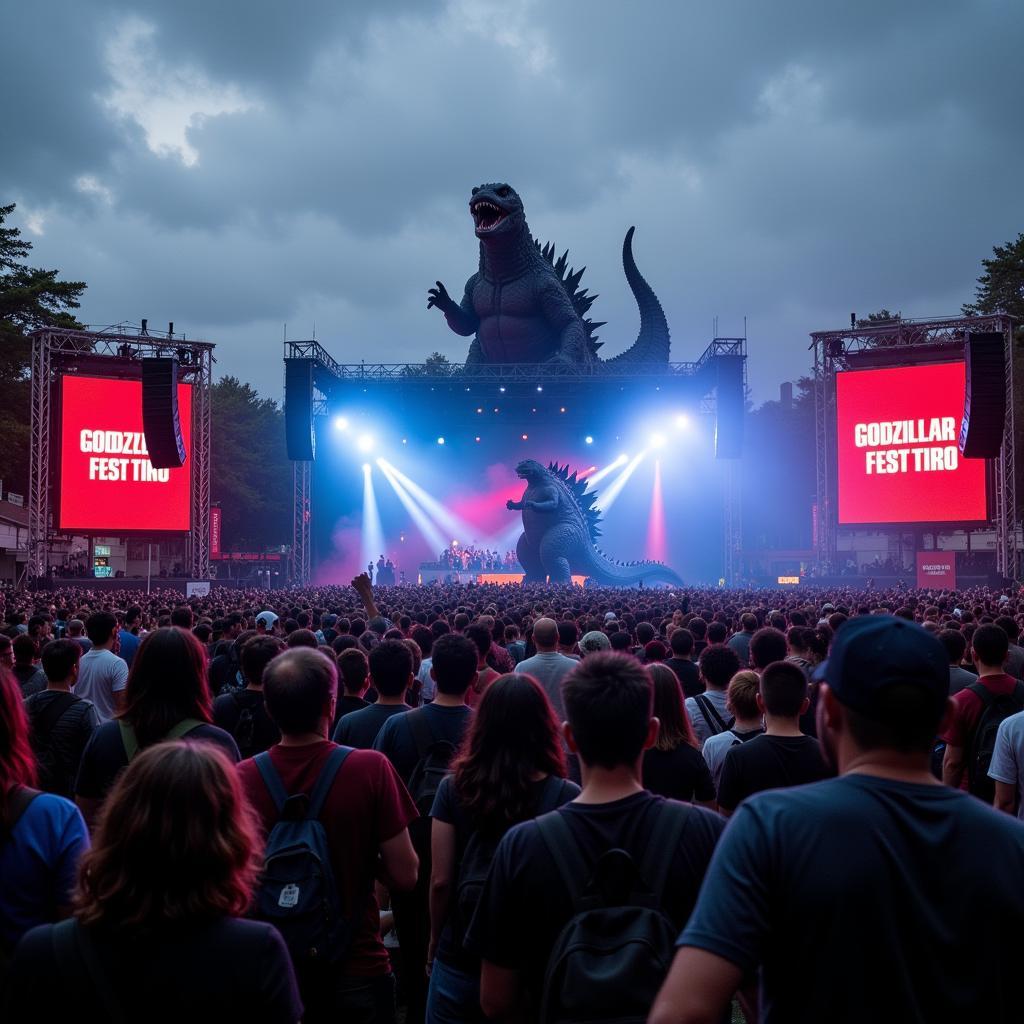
439, 297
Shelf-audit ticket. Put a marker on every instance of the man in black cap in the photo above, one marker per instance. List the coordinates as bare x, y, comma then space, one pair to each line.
877, 895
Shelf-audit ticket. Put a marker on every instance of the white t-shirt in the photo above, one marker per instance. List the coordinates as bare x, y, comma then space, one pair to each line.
101, 674
1008, 757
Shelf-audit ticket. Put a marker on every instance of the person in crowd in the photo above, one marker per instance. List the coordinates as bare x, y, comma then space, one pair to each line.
740, 641
61, 722
225, 672
681, 662
1006, 769
707, 710
424, 639
481, 637
515, 644
594, 642
511, 768
161, 904
42, 837
420, 744
568, 635
76, 632
767, 646
242, 712
6, 652
1015, 653
128, 634
354, 676
547, 666
977, 710
673, 767
525, 901
783, 756
922, 864
956, 645
166, 697
365, 818
390, 665
741, 704
31, 678
102, 675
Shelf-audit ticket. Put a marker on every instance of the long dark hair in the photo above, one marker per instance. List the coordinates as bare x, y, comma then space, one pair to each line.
670, 710
166, 683
17, 762
176, 842
514, 734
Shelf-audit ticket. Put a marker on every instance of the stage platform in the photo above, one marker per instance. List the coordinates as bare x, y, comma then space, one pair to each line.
427, 576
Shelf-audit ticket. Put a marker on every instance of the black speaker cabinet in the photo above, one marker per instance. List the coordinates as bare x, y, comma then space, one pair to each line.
160, 421
981, 433
298, 409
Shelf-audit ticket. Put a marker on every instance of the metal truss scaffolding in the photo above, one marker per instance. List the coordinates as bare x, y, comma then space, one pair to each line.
902, 342
117, 352
327, 373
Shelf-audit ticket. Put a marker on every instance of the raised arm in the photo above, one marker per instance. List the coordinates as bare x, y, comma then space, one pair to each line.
462, 318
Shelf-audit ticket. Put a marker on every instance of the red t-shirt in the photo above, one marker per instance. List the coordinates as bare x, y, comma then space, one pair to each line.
367, 805
967, 711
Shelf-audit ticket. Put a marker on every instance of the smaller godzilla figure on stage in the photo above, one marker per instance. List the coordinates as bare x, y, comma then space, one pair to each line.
559, 530
524, 306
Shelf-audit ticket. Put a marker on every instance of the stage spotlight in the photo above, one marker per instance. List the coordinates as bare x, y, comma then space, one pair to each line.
657, 440
539, 388
502, 390
477, 440
588, 439
682, 421
366, 467
340, 423
365, 443
526, 437
440, 440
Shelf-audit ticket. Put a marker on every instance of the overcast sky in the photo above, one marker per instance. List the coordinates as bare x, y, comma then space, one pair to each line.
238, 166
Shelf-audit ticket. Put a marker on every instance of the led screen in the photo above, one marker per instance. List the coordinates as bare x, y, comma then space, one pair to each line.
106, 483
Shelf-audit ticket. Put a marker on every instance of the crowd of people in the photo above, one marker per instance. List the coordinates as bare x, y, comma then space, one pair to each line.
473, 559
462, 803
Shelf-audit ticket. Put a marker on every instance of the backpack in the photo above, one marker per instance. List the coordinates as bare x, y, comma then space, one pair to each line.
613, 954
298, 893
42, 725
478, 857
434, 758
131, 742
983, 741
245, 728
714, 721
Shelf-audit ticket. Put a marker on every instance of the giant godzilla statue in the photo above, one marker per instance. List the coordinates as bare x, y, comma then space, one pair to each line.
559, 530
522, 305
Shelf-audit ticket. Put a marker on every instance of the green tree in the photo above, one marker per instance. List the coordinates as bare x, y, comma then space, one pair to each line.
881, 316
30, 298
435, 365
251, 476
1000, 289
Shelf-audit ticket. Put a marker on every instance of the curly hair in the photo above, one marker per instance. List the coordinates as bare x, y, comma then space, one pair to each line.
513, 736
176, 842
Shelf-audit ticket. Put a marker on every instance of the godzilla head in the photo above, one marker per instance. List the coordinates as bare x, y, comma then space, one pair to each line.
528, 469
497, 210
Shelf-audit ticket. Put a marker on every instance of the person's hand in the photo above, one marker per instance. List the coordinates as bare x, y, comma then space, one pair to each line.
511, 505
439, 297
362, 585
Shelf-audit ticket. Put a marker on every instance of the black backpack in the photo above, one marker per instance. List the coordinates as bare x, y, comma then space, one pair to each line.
612, 956
434, 758
983, 741
245, 728
42, 726
479, 855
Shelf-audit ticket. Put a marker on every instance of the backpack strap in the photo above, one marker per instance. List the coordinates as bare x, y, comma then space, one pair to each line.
74, 950
272, 780
325, 780
983, 693
422, 734
711, 715
43, 723
565, 852
672, 819
128, 739
176, 732
183, 728
20, 798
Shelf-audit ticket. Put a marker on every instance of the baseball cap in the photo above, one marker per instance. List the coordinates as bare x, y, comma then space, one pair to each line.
595, 640
871, 653
610, 616
266, 619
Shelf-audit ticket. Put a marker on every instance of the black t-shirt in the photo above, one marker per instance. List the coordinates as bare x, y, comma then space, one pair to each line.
546, 794
397, 743
346, 705
227, 715
359, 729
769, 762
680, 774
104, 756
225, 970
868, 899
524, 905
688, 675
224, 671
59, 751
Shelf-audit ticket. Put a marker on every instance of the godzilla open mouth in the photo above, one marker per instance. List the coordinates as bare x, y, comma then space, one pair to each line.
486, 216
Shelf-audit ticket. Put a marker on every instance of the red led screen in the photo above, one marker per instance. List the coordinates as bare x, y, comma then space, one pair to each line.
106, 482
898, 456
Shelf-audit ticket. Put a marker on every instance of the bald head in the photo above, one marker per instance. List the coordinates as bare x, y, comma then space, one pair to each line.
545, 634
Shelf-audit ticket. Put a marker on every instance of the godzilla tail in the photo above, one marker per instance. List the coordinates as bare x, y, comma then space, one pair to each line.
653, 342
614, 574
